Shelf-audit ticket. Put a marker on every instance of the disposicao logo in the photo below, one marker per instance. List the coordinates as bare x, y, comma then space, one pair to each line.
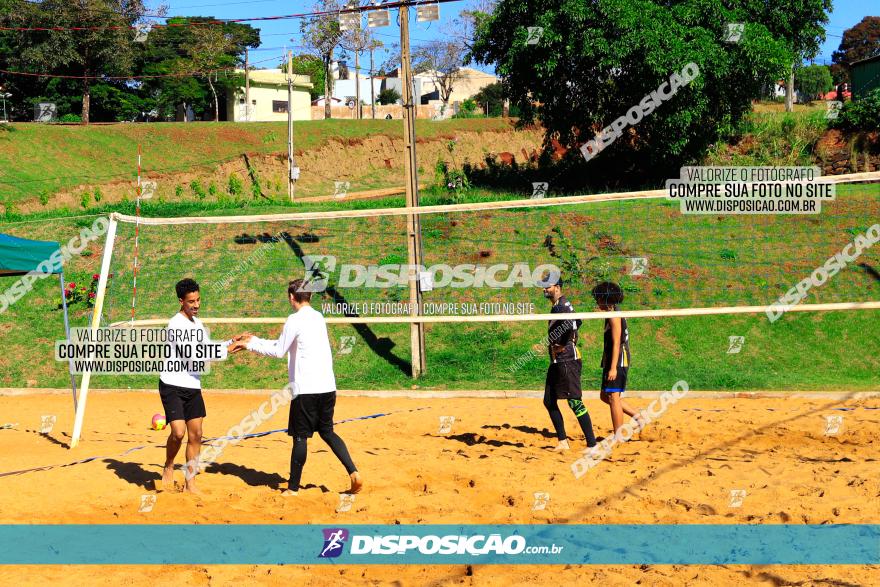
334, 542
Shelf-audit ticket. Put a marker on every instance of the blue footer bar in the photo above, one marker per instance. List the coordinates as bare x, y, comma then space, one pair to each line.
441, 544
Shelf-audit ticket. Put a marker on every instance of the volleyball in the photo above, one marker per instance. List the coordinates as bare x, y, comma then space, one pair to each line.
158, 421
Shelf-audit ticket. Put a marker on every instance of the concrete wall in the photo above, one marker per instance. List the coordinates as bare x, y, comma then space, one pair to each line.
470, 82
396, 111
396, 83
345, 88
262, 97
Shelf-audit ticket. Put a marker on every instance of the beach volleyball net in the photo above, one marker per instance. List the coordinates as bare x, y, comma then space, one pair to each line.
789, 284
485, 261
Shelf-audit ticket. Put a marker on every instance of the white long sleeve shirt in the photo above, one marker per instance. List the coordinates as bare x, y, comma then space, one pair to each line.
306, 343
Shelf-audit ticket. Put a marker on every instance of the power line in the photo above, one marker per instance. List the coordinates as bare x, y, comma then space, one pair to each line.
224, 4
396, 4
114, 77
128, 77
98, 10
282, 48
397, 36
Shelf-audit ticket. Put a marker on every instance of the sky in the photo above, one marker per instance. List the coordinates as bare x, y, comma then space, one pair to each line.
276, 35
846, 14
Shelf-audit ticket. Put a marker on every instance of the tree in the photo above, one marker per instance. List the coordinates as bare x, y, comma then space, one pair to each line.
464, 27
373, 45
186, 47
493, 95
595, 62
357, 41
859, 42
442, 61
311, 66
210, 51
118, 102
102, 47
165, 61
322, 35
469, 109
167, 57
800, 25
813, 81
389, 96
19, 87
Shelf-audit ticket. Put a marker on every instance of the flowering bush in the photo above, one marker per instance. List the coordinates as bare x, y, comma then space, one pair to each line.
860, 115
454, 179
81, 294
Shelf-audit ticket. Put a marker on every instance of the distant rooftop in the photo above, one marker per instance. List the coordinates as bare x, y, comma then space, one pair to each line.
276, 77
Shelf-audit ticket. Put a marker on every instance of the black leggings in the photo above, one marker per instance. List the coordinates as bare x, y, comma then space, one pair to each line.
300, 452
580, 411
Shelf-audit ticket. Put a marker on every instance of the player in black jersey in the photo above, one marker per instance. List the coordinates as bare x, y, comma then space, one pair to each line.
564, 373
615, 354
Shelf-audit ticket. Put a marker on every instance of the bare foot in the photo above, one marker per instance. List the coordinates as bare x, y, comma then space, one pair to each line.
191, 488
640, 424
563, 445
356, 483
167, 481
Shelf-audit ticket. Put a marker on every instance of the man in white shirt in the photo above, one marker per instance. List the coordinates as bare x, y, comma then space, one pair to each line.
305, 342
181, 390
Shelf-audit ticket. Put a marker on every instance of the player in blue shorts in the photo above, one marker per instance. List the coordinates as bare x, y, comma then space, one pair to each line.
616, 357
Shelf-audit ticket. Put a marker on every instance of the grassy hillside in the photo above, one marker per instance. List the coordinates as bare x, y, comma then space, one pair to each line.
693, 261
39, 160
770, 136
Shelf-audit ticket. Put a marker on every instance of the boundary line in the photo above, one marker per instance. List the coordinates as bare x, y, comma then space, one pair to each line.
479, 394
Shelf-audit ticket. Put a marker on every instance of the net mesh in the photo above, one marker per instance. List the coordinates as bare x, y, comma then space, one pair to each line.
692, 262
662, 259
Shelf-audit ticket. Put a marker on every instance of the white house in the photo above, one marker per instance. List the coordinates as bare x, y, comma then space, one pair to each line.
344, 89
396, 83
268, 95
778, 91
467, 83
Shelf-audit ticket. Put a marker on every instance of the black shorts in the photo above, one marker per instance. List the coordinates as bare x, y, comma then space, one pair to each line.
618, 385
310, 413
564, 380
181, 403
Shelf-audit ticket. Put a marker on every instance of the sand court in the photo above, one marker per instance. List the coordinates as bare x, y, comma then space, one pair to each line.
705, 461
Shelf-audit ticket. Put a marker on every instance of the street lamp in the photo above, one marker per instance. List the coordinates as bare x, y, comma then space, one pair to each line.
4, 95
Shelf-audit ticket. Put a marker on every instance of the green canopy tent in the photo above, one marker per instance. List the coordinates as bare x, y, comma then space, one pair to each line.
20, 256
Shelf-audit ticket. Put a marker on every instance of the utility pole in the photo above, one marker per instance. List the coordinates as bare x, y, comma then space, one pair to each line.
290, 166
247, 86
3, 95
372, 89
357, 83
413, 222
